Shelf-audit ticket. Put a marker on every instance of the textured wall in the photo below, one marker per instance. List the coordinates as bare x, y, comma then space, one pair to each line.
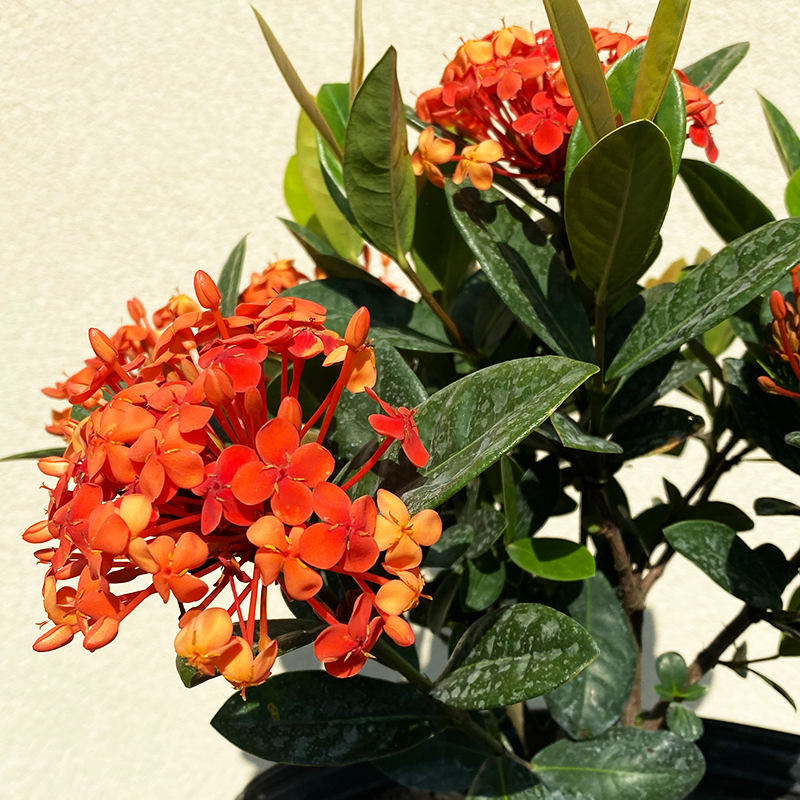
139, 141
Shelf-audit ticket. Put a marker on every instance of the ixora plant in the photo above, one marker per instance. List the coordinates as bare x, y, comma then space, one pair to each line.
389, 462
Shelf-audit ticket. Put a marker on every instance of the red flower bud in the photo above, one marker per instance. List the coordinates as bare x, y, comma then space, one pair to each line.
357, 329
103, 346
206, 290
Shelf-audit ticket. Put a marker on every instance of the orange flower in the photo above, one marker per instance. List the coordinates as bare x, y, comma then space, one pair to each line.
169, 562
401, 535
398, 423
430, 152
204, 636
475, 161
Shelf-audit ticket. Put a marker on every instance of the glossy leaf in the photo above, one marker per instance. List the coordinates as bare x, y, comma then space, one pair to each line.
230, 278
684, 722
673, 675
615, 202
396, 384
773, 507
312, 243
483, 582
314, 719
574, 437
508, 474
513, 655
37, 454
295, 194
623, 764
489, 525
523, 268
581, 66
731, 209
443, 597
766, 418
726, 559
538, 492
621, 79
777, 687
712, 292
357, 62
709, 72
296, 86
501, 778
786, 141
394, 320
450, 551
438, 243
658, 60
553, 559
377, 166
792, 195
593, 700
449, 761
469, 424
730, 515
657, 430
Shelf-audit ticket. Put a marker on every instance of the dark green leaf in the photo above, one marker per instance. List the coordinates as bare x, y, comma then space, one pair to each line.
726, 559
621, 78
623, 764
673, 673
46, 453
451, 549
438, 244
615, 203
593, 700
792, 196
538, 492
439, 609
508, 471
469, 424
483, 582
553, 559
230, 277
447, 762
523, 267
731, 209
582, 68
712, 292
779, 689
394, 320
790, 644
313, 719
684, 722
719, 512
574, 437
335, 267
766, 418
489, 524
514, 655
396, 384
710, 71
786, 141
503, 779
658, 59
377, 167
313, 244
657, 430
773, 507
294, 192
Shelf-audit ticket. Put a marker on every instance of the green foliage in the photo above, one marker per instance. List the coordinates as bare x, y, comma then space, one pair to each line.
684, 722
230, 278
552, 559
709, 72
503, 779
786, 141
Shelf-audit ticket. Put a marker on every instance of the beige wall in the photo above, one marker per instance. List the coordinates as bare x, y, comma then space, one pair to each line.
139, 141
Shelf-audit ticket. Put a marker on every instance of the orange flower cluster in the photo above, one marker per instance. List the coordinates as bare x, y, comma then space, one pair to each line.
507, 92
785, 335
180, 479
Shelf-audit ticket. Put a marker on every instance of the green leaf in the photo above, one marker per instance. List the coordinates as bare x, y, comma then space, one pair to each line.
313, 719
621, 79
658, 60
773, 507
766, 418
46, 453
771, 683
712, 292
582, 68
684, 722
450, 551
513, 655
294, 192
438, 244
657, 430
538, 492
501, 778
394, 320
575, 438
377, 167
523, 268
553, 559
790, 644
726, 559
731, 209
719, 512
673, 673
623, 764
294, 83
396, 384
469, 424
230, 278
592, 701
357, 62
312, 243
615, 203
792, 438
483, 582
488, 524
786, 141
335, 226
445, 763
710, 71
443, 597
792, 196
508, 477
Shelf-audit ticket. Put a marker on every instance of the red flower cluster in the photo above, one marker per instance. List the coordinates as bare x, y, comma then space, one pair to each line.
785, 330
509, 89
178, 481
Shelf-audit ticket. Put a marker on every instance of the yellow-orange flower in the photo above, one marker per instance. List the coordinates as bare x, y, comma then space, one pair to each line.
401, 535
475, 161
430, 152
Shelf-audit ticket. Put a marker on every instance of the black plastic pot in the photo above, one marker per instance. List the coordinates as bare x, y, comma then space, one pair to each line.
743, 763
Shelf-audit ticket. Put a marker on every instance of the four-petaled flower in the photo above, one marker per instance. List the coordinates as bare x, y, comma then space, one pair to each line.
475, 161
431, 152
401, 535
399, 424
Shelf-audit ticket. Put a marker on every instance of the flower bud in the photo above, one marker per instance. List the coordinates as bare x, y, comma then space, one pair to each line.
103, 346
290, 410
357, 329
777, 305
206, 290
